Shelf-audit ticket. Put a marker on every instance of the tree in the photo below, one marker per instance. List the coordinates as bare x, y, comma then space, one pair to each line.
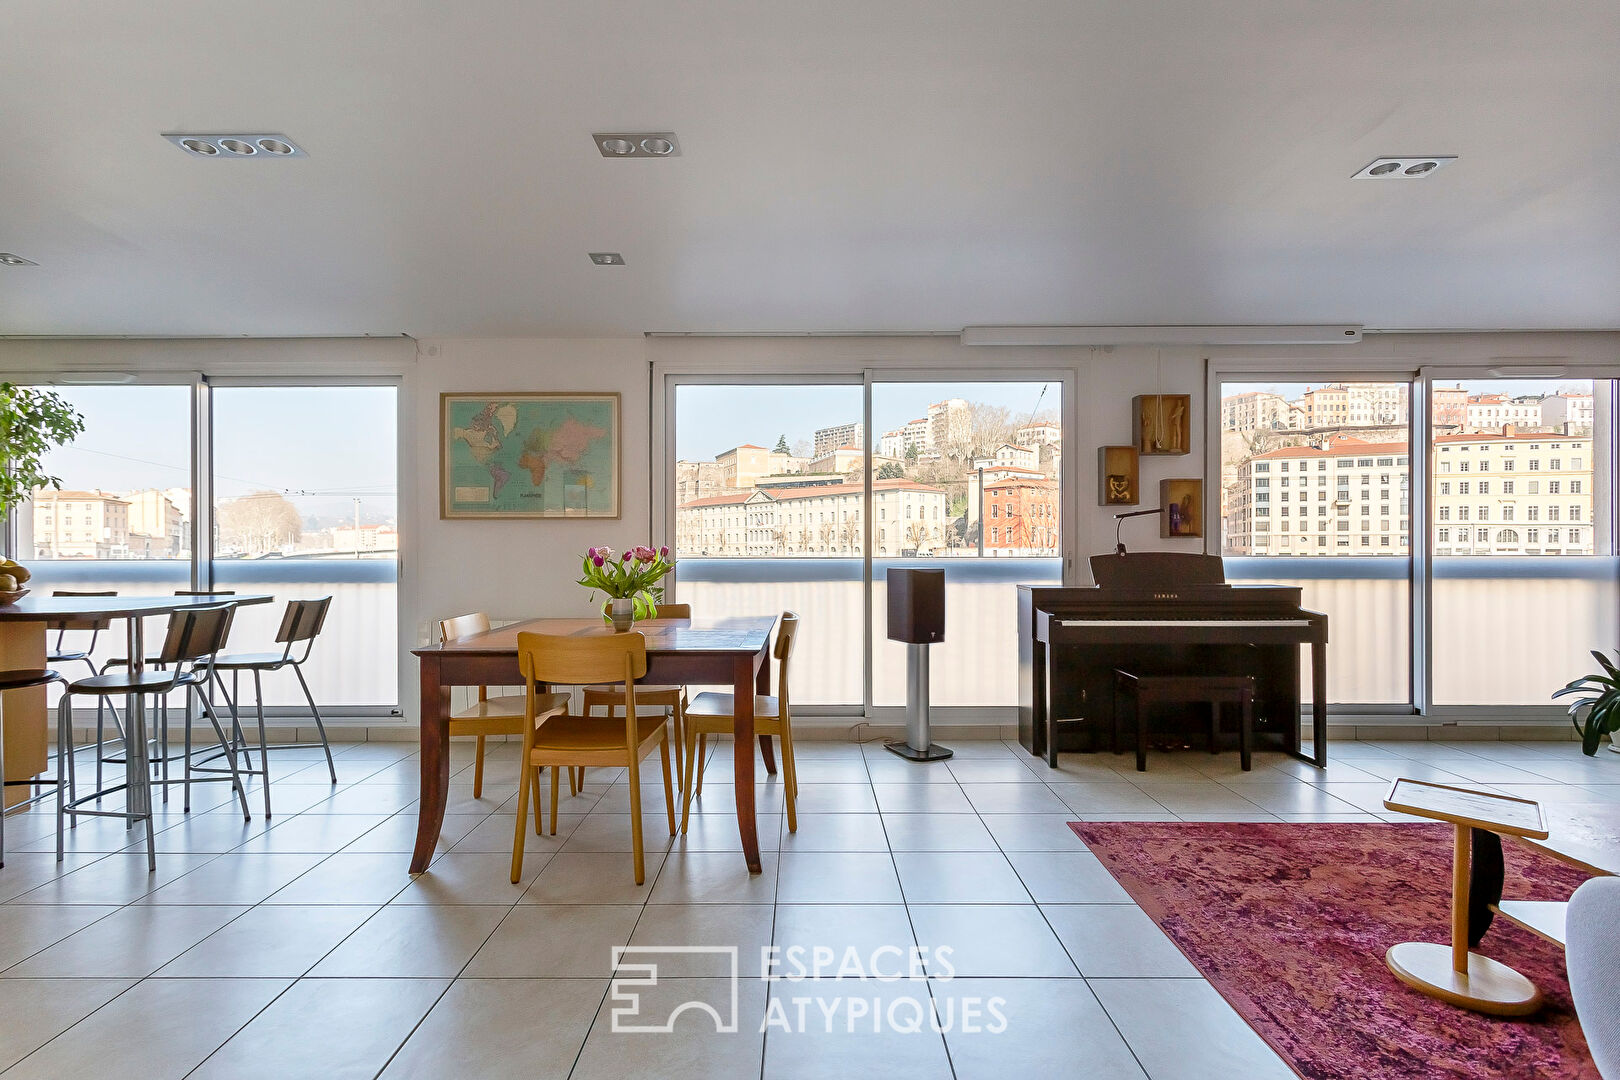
988, 427
911, 453
916, 533
260, 523
782, 445
829, 533
891, 470
801, 447
849, 536
32, 424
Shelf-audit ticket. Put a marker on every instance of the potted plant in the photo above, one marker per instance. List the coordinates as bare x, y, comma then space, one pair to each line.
630, 581
33, 422
1600, 697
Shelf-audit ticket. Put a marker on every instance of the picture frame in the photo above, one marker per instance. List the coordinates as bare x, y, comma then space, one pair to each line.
530, 454
1183, 513
1119, 481
1162, 424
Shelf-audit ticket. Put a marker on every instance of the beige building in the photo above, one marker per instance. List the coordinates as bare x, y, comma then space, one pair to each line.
823, 520
159, 525
80, 525
1567, 412
742, 465
1039, 434
1257, 410
1488, 412
1507, 493
830, 438
696, 480
949, 424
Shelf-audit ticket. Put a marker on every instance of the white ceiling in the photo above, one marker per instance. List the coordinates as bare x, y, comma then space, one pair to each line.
850, 164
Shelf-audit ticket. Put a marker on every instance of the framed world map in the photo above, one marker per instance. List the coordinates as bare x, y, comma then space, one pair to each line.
529, 455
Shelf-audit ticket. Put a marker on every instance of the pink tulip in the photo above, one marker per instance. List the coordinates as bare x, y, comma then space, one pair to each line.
597, 560
590, 552
663, 553
625, 557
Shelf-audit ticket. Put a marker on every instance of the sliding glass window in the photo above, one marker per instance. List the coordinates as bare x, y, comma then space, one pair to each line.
1316, 492
1524, 572
768, 517
966, 479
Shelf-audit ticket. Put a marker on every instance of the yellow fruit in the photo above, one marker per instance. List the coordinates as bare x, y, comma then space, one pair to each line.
21, 573
8, 583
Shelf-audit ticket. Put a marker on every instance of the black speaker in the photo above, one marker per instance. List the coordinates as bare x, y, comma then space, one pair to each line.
916, 606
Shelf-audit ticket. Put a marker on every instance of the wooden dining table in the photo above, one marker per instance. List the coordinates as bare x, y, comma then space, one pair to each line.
685, 652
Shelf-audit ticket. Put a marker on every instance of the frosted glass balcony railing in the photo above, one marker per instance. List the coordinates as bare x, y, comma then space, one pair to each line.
1367, 602
1510, 631
977, 664
355, 661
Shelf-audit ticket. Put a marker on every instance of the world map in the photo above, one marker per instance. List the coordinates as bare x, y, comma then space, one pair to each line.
543, 456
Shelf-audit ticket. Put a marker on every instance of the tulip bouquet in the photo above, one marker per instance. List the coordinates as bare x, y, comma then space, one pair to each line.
631, 575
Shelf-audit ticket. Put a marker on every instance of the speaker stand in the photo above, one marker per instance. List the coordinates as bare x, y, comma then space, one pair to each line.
917, 745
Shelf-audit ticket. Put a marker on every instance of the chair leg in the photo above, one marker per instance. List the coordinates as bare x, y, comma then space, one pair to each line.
65, 716
678, 716
185, 759
264, 748
230, 754
64, 752
162, 762
478, 769
703, 760
790, 777
525, 783
139, 770
534, 782
556, 782
635, 818
686, 788
669, 792
573, 782
326, 744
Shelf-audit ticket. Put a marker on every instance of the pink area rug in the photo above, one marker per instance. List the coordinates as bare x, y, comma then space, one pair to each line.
1290, 924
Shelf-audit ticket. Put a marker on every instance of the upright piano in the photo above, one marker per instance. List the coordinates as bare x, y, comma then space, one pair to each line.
1163, 613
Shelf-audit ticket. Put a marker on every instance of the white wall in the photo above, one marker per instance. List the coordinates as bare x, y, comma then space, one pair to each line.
515, 568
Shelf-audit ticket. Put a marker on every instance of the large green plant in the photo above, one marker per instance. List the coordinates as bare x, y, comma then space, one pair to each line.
1600, 697
33, 422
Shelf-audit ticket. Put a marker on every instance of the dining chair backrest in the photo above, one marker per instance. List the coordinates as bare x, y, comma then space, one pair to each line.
660, 611
205, 592
582, 659
196, 634
786, 633
463, 626
94, 623
302, 620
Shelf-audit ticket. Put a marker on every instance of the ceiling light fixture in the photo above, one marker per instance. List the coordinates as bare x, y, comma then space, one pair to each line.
621, 144
1343, 333
607, 258
236, 145
8, 259
1403, 168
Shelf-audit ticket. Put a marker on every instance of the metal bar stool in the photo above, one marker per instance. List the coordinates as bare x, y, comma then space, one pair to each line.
1145, 690
60, 654
159, 755
300, 624
22, 680
190, 647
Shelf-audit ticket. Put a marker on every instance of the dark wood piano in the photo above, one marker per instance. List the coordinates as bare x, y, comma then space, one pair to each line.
1163, 613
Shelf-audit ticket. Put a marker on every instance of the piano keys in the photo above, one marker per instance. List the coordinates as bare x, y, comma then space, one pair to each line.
1163, 613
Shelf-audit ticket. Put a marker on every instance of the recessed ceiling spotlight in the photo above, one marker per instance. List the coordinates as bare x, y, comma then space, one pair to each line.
243, 145
8, 259
1405, 168
607, 258
616, 144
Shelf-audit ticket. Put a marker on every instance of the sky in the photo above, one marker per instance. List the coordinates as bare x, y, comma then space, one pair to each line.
322, 446
710, 420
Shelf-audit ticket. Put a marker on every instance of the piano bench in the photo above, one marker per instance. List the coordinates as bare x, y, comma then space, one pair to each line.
1217, 690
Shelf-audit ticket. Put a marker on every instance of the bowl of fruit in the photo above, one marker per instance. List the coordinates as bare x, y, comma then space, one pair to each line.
12, 579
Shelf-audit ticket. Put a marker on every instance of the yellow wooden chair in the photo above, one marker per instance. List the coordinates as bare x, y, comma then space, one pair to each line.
488, 715
712, 713
554, 738
672, 698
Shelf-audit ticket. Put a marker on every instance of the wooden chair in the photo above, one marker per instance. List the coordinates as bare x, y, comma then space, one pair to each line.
552, 737
672, 698
712, 713
487, 716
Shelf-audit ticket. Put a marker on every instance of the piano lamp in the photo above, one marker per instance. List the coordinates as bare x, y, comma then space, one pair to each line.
1119, 523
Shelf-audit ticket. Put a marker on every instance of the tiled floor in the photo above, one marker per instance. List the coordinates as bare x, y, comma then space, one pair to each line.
301, 947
